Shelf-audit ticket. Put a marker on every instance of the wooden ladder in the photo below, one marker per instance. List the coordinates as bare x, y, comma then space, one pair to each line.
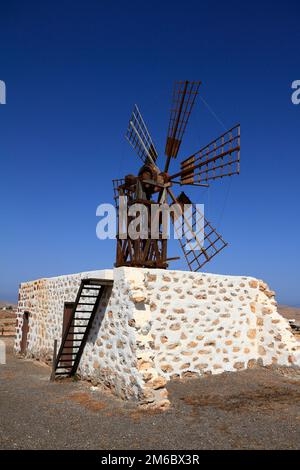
77, 331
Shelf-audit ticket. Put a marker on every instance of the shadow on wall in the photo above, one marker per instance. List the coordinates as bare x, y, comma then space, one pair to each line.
94, 332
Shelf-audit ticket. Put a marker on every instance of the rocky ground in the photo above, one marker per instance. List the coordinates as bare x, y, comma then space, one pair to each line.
7, 322
7, 318
291, 313
252, 409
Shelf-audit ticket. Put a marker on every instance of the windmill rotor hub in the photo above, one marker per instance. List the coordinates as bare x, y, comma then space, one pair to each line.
152, 178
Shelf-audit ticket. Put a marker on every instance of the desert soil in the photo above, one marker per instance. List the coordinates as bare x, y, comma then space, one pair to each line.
291, 313
252, 409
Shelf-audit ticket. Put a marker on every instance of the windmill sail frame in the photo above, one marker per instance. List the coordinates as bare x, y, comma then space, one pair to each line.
216, 160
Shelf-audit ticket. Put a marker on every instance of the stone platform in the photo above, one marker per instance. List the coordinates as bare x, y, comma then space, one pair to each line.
157, 325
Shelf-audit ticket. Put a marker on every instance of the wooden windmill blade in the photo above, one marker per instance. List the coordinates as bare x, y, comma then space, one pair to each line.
117, 183
218, 159
184, 96
139, 137
125, 187
199, 242
124, 250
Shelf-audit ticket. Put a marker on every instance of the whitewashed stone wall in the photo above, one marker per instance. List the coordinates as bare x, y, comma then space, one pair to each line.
45, 299
156, 325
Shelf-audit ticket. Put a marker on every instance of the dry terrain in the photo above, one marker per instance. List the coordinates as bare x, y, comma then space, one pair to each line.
7, 318
252, 409
291, 313
4, 303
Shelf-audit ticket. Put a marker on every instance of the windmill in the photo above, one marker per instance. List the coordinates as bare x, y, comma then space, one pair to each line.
216, 160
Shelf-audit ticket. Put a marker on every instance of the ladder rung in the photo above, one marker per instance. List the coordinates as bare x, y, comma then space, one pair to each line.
81, 318
72, 340
85, 303
85, 295
77, 326
83, 311
79, 332
100, 282
94, 293
91, 287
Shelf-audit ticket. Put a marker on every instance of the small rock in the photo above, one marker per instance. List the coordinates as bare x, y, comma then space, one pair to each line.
158, 382
239, 365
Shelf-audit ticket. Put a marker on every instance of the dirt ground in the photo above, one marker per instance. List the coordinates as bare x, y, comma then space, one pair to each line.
291, 313
253, 409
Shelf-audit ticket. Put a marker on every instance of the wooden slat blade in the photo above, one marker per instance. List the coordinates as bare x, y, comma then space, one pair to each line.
198, 247
116, 184
139, 137
184, 96
218, 159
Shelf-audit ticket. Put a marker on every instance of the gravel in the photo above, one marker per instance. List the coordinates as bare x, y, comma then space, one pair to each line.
252, 409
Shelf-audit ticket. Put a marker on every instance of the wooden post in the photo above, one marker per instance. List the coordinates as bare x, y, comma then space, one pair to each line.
52, 377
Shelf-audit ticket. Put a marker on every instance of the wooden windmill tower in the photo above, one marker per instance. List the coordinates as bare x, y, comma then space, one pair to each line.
216, 160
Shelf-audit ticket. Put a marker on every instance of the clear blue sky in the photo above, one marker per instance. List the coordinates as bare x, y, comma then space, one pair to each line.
74, 69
